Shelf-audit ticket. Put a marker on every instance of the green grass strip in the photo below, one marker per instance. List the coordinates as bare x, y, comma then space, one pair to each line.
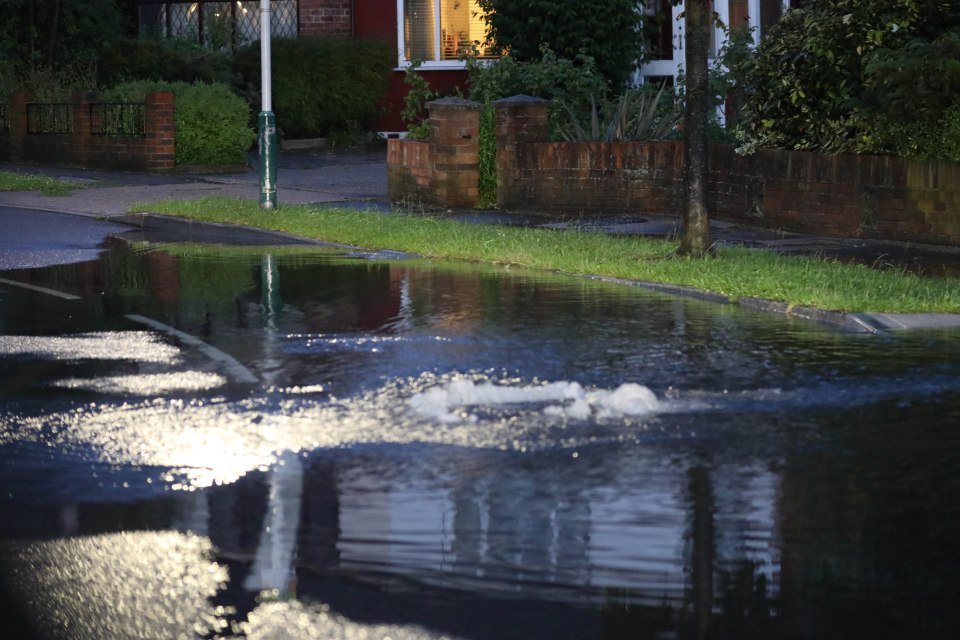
733, 272
30, 182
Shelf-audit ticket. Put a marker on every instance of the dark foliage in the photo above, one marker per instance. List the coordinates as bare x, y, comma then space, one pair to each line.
609, 31
320, 86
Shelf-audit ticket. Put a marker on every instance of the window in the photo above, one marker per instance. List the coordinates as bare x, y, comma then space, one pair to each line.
219, 25
439, 32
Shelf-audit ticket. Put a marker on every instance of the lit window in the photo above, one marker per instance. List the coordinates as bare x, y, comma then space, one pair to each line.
438, 31
219, 25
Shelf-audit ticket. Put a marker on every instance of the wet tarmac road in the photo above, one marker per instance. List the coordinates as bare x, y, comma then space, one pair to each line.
439, 451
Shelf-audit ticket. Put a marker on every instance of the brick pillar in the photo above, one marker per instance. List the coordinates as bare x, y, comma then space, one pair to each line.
454, 145
81, 139
18, 124
519, 119
160, 143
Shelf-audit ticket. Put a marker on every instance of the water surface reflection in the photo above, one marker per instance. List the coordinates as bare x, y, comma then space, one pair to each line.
601, 461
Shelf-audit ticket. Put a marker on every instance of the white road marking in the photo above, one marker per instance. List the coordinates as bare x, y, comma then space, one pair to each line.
49, 292
234, 369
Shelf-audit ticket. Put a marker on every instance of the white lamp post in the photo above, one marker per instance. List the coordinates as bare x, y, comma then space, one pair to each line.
266, 120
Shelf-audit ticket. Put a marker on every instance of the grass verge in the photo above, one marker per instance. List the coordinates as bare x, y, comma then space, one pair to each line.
733, 272
29, 182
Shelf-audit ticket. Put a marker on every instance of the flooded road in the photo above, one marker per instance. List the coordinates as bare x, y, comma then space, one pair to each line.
299, 442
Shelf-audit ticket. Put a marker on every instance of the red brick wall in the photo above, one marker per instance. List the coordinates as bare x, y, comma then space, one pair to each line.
841, 196
326, 18
844, 196
409, 172
153, 152
442, 172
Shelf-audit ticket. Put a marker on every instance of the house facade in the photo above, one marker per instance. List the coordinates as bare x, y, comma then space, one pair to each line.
436, 32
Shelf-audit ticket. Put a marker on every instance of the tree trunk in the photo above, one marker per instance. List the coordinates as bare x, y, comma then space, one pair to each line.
695, 238
54, 34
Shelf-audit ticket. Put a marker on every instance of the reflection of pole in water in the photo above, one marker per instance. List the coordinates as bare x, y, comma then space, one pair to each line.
702, 556
273, 565
271, 303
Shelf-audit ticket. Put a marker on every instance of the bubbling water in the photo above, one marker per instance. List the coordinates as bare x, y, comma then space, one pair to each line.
563, 399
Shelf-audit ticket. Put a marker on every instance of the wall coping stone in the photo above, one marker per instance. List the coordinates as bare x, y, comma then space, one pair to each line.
454, 103
520, 100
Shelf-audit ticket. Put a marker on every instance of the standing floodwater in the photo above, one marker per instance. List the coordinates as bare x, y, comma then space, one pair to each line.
198, 441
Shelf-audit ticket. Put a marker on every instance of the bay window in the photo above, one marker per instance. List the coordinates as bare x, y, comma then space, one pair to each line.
218, 25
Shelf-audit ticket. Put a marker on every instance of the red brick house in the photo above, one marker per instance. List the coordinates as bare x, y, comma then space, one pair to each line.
435, 31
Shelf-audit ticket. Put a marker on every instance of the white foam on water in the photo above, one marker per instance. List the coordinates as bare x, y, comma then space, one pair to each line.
205, 441
446, 403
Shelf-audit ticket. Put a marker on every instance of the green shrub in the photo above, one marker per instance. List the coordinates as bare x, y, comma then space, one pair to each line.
950, 140
572, 85
608, 31
487, 157
57, 83
173, 60
320, 85
835, 75
213, 123
419, 93
212, 126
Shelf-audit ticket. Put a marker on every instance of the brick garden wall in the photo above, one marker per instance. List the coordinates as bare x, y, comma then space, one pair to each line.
154, 151
443, 171
409, 171
845, 196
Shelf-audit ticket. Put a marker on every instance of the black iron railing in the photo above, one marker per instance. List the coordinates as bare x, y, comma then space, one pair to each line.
117, 119
50, 118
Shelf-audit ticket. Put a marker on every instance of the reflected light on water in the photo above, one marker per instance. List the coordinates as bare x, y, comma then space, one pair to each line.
294, 619
202, 443
119, 586
135, 346
147, 384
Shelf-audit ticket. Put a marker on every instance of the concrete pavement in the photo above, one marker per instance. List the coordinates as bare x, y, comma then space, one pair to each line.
360, 179
302, 178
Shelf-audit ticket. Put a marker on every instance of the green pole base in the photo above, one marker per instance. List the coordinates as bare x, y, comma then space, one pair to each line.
267, 123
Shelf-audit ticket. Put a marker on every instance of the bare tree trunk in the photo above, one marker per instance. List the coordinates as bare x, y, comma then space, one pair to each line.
54, 34
695, 238
703, 558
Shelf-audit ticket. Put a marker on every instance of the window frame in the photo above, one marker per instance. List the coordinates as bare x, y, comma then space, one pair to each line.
427, 65
201, 27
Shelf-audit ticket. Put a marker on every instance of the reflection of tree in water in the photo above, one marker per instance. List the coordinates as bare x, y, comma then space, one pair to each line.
726, 595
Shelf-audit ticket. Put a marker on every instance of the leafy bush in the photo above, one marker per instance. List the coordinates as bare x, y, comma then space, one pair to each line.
320, 85
419, 93
212, 122
173, 60
212, 126
608, 31
919, 80
572, 85
950, 140
56, 84
53, 33
487, 157
821, 78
